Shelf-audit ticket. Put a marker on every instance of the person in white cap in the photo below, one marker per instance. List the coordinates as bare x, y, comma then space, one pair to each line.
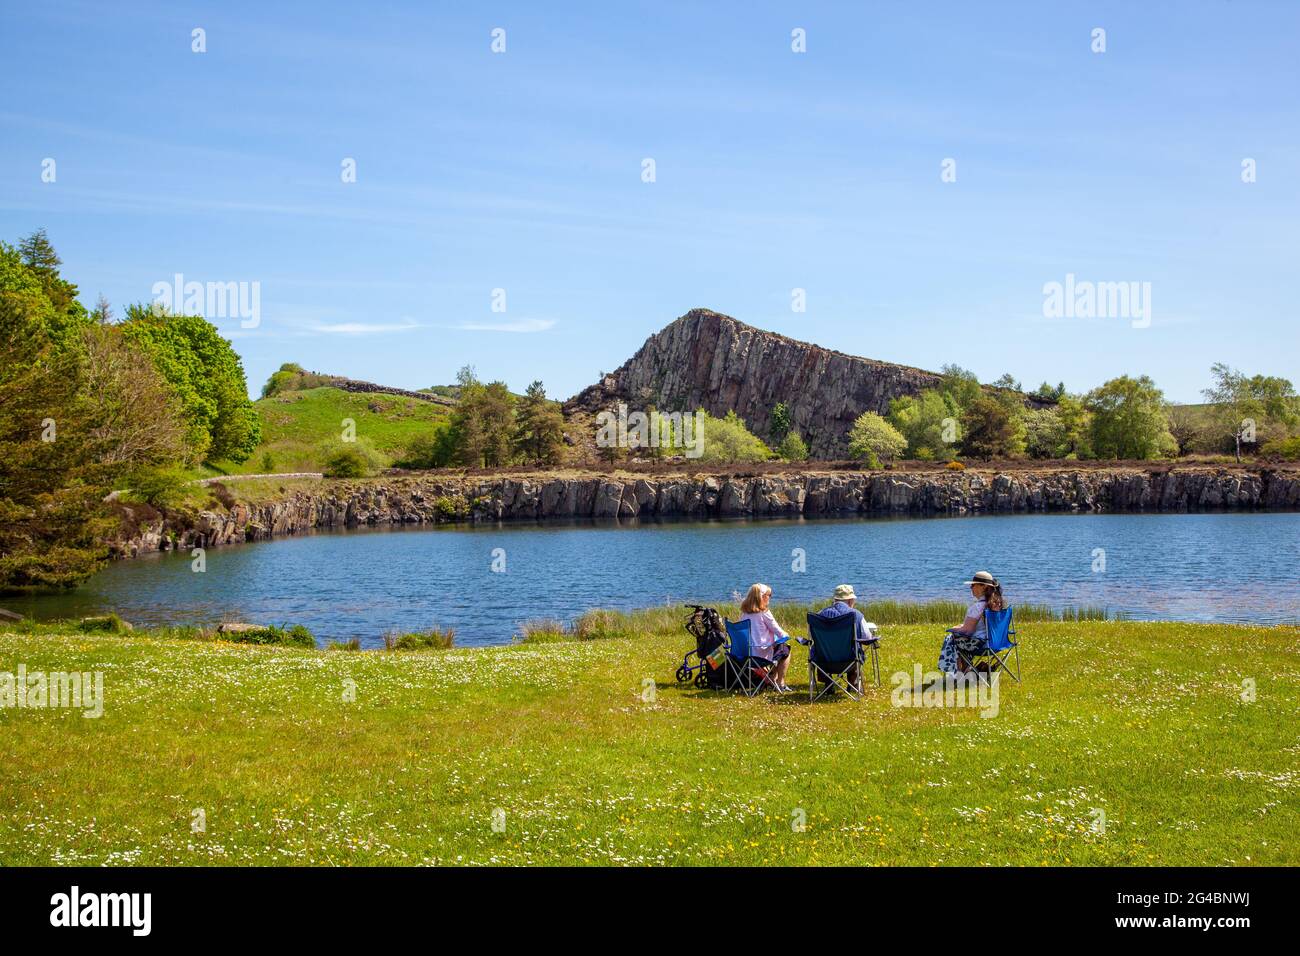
972, 633
842, 602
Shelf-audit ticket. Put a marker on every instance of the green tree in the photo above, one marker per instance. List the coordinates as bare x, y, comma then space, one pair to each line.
960, 386
793, 447
1049, 392
539, 427
1128, 419
727, 439
1191, 428
79, 411
434, 448
988, 429
43, 262
207, 377
929, 422
874, 440
780, 423
483, 422
1248, 405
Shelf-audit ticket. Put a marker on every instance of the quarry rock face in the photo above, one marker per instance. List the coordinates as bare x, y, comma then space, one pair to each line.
708, 360
620, 497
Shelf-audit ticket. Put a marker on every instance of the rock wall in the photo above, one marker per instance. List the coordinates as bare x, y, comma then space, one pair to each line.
628, 497
708, 360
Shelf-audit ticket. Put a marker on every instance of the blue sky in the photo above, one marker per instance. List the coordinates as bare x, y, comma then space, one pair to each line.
774, 171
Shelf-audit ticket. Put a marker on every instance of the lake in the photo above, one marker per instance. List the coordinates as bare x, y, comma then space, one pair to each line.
1201, 567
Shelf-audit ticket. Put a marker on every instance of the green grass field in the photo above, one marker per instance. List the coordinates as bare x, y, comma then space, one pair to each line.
295, 425
586, 751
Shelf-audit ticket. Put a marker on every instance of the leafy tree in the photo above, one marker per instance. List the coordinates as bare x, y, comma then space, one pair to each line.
1060, 431
1189, 427
207, 377
431, 449
874, 440
988, 429
1249, 404
1128, 419
960, 386
1008, 381
43, 262
793, 447
929, 423
539, 427
1076, 427
78, 412
483, 422
727, 439
1043, 433
780, 423
1049, 392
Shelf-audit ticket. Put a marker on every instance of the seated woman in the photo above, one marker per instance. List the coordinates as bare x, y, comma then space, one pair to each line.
972, 633
766, 639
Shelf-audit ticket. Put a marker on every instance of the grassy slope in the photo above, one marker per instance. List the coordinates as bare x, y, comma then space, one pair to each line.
295, 424
1141, 720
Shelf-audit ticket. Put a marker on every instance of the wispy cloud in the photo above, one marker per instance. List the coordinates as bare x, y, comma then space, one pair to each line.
362, 328
518, 325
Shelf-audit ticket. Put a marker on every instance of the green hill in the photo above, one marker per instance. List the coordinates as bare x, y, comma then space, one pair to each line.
297, 425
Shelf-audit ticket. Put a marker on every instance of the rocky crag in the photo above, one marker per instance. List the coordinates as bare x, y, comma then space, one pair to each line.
628, 497
708, 360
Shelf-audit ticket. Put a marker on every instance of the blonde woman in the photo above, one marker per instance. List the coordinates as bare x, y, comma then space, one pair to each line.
766, 639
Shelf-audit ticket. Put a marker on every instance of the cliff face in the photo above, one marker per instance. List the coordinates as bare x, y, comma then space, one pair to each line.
708, 360
430, 500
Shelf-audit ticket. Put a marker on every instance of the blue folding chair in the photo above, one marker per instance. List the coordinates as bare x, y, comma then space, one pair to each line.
835, 653
996, 649
746, 671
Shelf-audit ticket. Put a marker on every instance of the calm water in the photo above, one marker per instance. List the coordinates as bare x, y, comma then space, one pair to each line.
1213, 567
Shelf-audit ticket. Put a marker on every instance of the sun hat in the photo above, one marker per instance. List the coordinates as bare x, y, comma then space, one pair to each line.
844, 592
983, 577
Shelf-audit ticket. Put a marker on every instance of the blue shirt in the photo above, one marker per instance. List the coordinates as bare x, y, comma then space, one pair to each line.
839, 609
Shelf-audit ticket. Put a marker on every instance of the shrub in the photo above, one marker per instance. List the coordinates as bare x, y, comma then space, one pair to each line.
544, 631
295, 636
1287, 449
162, 487
727, 439
873, 439
354, 459
419, 640
955, 466
793, 447
451, 509
108, 623
351, 644
431, 449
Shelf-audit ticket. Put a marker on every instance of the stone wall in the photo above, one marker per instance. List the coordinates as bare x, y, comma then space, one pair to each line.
628, 497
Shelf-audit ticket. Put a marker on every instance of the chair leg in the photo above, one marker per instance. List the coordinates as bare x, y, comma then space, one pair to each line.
812, 682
